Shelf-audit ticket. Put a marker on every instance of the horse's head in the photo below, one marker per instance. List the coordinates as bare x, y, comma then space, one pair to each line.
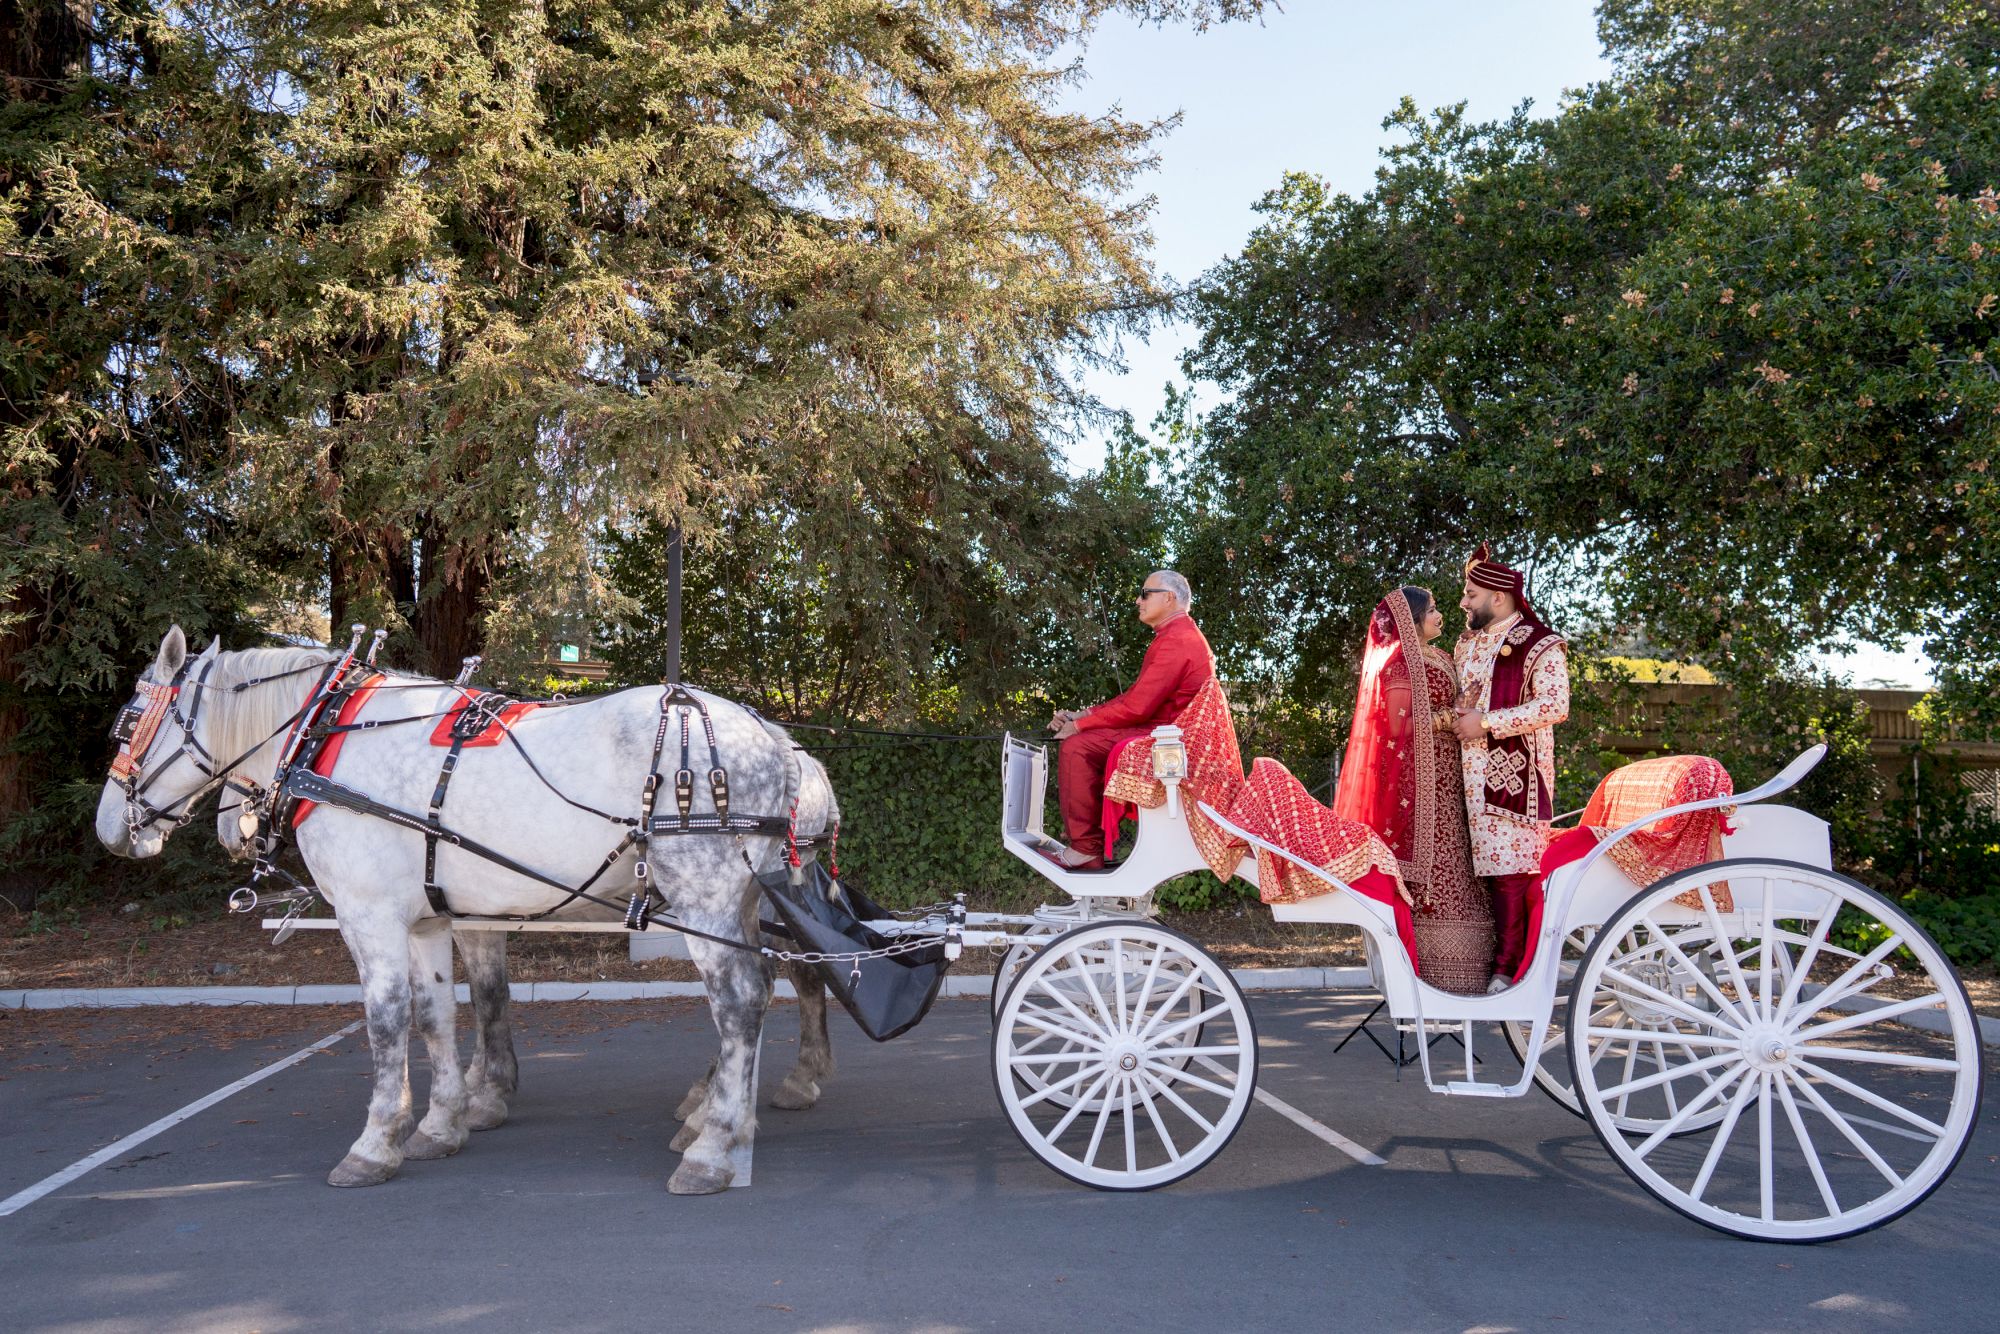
163, 766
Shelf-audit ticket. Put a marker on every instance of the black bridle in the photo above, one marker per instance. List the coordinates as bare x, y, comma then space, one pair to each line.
136, 776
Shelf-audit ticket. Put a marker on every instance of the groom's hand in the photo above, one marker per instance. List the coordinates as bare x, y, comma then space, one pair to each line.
1467, 725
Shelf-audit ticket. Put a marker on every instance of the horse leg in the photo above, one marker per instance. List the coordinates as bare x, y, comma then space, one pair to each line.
801, 1088
492, 1077
382, 957
738, 994
434, 1013
691, 1104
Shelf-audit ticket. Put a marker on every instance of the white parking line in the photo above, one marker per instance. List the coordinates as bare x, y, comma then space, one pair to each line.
1317, 1129
15, 1203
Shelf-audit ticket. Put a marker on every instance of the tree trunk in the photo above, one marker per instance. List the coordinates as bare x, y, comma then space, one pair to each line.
450, 620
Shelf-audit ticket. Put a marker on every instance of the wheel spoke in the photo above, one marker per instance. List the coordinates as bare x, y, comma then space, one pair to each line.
1765, 1202
1869, 1057
1090, 1025
1131, 1140
1681, 1118
1766, 1003
1807, 957
1051, 1058
1722, 1134
1096, 996
1118, 982
1173, 1000
1192, 1021
1669, 1075
1036, 1020
1207, 1126
1159, 1125
1873, 1099
1784, 1087
1050, 1090
1631, 1059
1867, 1017
1230, 1049
1678, 1039
1852, 1136
1838, 990
1674, 1005
1161, 1070
1097, 1131
1146, 991
1076, 1109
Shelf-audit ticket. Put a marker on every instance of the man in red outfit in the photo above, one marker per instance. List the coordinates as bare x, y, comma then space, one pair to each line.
1178, 664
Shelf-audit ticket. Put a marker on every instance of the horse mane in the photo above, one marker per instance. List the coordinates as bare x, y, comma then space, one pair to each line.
258, 713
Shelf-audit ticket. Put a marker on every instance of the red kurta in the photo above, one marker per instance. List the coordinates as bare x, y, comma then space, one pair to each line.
1178, 664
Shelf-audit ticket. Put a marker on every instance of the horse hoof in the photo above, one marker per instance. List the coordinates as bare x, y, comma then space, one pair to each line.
685, 1137
692, 1102
422, 1148
795, 1095
354, 1170
693, 1178
485, 1113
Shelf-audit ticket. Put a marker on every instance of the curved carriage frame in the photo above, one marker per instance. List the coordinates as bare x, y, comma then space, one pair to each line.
1742, 1064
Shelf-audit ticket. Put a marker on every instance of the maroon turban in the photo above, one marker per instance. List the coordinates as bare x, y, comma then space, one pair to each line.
1482, 571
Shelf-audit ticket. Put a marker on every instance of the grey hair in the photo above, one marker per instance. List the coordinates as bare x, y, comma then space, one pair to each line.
1178, 584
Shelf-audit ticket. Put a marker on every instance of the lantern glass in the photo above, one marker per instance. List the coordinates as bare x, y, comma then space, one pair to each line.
1169, 760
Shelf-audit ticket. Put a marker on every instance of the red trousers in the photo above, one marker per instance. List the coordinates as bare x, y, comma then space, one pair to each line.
1510, 919
1080, 784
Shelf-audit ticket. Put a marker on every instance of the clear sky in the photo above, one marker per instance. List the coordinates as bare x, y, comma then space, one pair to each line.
1306, 90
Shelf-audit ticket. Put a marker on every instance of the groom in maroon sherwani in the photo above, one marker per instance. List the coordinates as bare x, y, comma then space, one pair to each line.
1178, 664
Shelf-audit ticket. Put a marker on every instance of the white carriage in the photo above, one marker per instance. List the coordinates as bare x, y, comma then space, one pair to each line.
1801, 1066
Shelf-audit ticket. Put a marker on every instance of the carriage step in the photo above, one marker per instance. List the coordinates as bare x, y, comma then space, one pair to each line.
1476, 1088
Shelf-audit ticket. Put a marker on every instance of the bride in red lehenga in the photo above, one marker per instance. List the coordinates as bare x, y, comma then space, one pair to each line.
1402, 778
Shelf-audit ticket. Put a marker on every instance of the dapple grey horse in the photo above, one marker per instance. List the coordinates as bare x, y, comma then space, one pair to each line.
593, 754
492, 1077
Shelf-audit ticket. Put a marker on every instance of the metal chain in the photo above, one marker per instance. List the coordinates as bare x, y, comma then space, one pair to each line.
918, 914
909, 946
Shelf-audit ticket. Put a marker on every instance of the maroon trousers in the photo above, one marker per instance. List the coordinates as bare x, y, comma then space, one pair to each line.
1080, 775
1510, 920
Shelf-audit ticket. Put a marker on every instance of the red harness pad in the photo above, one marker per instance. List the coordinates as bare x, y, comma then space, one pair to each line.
323, 762
488, 735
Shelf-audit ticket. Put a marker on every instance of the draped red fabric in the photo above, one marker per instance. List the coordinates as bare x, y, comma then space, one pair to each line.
329, 754
1386, 781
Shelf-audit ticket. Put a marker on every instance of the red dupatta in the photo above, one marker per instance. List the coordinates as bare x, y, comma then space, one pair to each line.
1389, 779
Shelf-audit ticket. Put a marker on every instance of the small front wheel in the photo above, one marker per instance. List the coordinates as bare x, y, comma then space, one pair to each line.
1093, 1063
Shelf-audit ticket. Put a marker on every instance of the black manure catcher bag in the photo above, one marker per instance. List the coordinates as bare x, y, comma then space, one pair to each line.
888, 996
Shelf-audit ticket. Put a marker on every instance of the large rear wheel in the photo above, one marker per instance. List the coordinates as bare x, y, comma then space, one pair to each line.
1818, 1019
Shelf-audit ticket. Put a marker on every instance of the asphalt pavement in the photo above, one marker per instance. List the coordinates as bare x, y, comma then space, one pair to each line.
903, 1201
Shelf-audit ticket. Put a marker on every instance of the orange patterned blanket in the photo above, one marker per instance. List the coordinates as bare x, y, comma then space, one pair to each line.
1676, 843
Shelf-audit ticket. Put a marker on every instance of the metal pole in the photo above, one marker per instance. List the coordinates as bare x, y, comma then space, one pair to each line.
674, 600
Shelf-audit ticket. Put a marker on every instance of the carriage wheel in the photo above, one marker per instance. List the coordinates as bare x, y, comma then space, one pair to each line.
1093, 1062
1833, 1122
1649, 1046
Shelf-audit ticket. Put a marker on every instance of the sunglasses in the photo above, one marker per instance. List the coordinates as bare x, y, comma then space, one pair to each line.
1145, 593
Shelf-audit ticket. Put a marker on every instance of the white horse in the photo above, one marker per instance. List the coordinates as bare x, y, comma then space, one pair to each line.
223, 717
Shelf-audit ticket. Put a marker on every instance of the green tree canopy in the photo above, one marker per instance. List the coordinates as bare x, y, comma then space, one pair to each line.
1711, 348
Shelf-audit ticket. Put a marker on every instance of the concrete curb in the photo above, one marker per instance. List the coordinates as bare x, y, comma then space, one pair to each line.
1250, 979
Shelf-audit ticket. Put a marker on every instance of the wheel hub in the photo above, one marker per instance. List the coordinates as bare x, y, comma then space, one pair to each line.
1768, 1048
1638, 1008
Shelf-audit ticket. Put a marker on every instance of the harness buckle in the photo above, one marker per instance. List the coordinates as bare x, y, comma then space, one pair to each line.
718, 787
684, 792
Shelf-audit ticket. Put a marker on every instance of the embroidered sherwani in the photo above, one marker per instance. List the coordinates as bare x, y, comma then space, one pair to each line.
1505, 842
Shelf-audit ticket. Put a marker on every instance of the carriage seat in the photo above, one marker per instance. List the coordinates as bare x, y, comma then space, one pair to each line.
1666, 847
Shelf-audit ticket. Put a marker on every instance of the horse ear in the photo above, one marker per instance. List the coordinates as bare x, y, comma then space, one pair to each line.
173, 654
214, 648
